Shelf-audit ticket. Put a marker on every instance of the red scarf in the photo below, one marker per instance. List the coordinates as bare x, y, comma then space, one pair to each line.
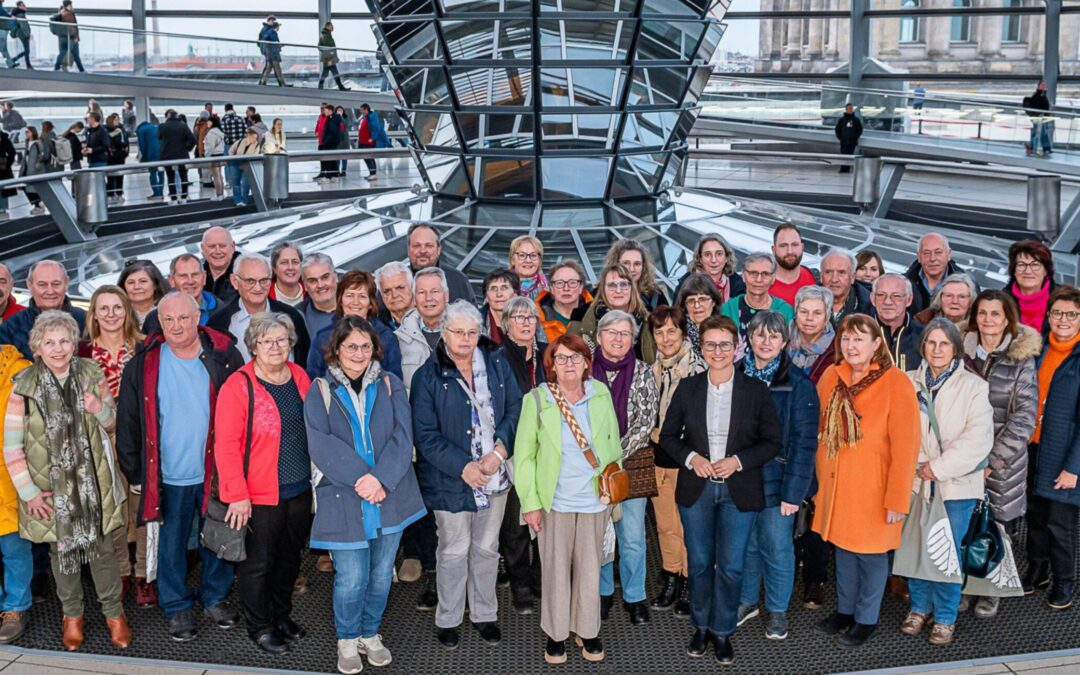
1032, 307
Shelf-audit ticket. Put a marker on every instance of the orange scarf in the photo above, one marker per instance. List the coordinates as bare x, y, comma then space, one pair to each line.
1056, 353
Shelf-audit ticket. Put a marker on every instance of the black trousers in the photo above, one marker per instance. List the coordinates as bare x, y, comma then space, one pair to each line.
274, 543
114, 185
514, 546
420, 541
174, 174
815, 554
1051, 527
847, 149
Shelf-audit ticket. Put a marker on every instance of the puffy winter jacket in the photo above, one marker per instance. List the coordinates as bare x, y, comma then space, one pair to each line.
414, 347
1059, 443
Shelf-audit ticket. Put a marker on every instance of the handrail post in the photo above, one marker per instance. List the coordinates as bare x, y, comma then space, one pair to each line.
64, 211
1044, 204
866, 186
254, 171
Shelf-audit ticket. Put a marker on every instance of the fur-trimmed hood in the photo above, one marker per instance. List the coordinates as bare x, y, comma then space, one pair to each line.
1027, 343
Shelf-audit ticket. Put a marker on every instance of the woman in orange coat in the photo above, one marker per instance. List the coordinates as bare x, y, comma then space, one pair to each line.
868, 443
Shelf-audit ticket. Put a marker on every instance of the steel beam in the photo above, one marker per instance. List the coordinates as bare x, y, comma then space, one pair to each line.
63, 210
1051, 48
894, 173
254, 171
859, 43
1069, 237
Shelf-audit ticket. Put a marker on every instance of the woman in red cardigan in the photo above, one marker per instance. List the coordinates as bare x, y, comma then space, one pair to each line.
273, 500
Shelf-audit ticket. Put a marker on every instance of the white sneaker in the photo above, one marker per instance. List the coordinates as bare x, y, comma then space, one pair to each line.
372, 647
371, 178
323, 181
37, 210
348, 657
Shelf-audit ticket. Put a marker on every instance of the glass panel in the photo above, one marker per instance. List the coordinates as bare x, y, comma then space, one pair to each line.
712, 38
515, 39
620, 6
421, 86
686, 124
575, 177
357, 33
576, 132
648, 129
435, 129
658, 86
507, 178
466, 6
469, 39
458, 182
637, 174
695, 8
492, 86
589, 86
404, 7
669, 39
510, 132
410, 40
585, 40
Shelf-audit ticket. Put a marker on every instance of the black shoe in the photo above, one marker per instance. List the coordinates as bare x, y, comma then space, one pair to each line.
1036, 576
814, 595
837, 623
448, 637
1061, 594
699, 644
290, 630
638, 613
682, 592
591, 649
723, 652
39, 587
181, 626
605, 606
523, 600
222, 615
555, 652
429, 599
271, 642
857, 635
503, 579
666, 596
489, 632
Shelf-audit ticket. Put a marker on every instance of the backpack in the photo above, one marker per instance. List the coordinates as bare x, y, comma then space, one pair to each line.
63, 151
57, 26
6, 22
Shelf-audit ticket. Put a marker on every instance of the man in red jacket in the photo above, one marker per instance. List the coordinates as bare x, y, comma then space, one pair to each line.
8, 306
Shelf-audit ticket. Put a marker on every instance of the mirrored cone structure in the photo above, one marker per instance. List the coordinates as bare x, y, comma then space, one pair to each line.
549, 100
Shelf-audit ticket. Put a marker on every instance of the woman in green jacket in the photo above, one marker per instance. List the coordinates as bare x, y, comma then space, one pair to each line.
328, 57
557, 486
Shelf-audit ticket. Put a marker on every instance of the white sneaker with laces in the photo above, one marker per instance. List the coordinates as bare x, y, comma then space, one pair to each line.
372, 647
37, 210
349, 661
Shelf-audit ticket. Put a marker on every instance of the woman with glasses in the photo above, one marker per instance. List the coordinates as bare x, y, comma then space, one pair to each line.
556, 482
356, 297
525, 355
500, 285
714, 258
698, 299
721, 428
112, 335
359, 430
567, 295
465, 406
868, 444
144, 285
1053, 497
527, 262
1031, 281
265, 478
632, 254
616, 291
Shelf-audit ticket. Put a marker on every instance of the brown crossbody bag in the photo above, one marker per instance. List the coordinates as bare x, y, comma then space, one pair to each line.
613, 481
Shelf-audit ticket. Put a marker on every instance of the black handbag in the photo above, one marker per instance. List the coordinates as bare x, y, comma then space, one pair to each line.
224, 541
982, 547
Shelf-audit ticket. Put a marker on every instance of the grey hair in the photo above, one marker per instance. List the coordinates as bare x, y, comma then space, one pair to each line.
214, 229
49, 319
944, 240
951, 332
262, 323
760, 256
393, 268
433, 272
281, 247
33, 268
814, 293
178, 294
517, 304
909, 291
842, 252
958, 278
769, 321
317, 259
460, 309
617, 316
246, 257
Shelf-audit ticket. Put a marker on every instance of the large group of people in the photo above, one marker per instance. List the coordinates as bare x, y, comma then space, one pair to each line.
772, 414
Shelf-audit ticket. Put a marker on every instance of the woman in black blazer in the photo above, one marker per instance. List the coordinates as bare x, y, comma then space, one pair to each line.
720, 487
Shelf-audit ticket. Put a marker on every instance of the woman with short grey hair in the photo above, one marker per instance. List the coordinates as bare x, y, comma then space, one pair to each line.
952, 299
264, 475
812, 332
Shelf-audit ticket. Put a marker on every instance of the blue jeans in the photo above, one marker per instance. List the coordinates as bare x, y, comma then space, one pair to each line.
630, 537
239, 182
940, 598
717, 535
67, 44
362, 579
4, 50
772, 551
18, 568
157, 182
860, 584
180, 506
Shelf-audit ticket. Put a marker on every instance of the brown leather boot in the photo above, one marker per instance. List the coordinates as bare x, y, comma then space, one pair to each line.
73, 633
119, 631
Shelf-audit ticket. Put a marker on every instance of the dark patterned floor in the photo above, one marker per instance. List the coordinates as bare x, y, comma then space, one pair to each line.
1024, 626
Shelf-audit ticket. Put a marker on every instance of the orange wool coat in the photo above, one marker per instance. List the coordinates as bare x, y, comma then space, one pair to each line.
862, 482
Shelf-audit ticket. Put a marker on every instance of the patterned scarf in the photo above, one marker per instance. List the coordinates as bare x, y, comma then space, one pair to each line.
765, 374
668, 373
72, 472
113, 368
622, 379
724, 286
483, 424
532, 287
803, 355
842, 425
933, 384
694, 336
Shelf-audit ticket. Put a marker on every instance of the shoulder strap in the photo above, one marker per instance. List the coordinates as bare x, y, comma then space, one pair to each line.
389, 389
250, 419
324, 389
536, 396
575, 428
480, 411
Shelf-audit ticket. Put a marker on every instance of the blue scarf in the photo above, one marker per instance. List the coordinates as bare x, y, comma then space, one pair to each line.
765, 374
933, 384
362, 442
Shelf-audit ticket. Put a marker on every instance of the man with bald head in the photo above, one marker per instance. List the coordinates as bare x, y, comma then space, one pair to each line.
932, 264
8, 306
219, 252
48, 284
163, 445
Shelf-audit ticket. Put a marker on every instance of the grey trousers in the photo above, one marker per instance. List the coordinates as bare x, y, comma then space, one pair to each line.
571, 549
467, 563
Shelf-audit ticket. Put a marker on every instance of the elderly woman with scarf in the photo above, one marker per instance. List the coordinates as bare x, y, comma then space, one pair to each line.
957, 430
698, 299
676, 360
868, 444
633, 390
359, 429
527, 261
56, 448
811, 346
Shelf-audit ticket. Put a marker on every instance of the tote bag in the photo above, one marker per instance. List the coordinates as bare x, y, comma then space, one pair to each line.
928, 550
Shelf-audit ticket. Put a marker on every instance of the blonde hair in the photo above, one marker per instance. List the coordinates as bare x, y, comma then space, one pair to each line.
132, 334
525, 239
636, 304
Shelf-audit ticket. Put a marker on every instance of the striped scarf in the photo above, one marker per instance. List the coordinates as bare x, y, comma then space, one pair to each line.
842, 425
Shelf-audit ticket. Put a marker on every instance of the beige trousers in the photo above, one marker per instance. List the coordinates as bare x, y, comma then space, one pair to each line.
571, 547
668, 523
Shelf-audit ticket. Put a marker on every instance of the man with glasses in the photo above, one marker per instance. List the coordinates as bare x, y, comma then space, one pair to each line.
891, 297
759, 272
568, 293
251, 280
424, 250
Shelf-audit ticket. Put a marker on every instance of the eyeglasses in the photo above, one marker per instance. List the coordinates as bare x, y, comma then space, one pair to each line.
891, 297
280, 343
464, 334
106, 310
758, 275
563, 359
1058, 314
1029, 266
251, 282
699, 301
566, 283
624, 334
352, 348
531, 257
523, 319
617, 285
722, 347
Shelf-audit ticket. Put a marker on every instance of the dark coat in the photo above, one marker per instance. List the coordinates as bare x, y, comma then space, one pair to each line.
904, 343
1059, 442
15, 330
221, 288
390, 361
138, 426
515, 357
220, 319
754, 437
119, 147
177, 140
7, 163
858, 302
848, 130
332, 133
789, 476
736, 285
921, 297
442, 425
97, 141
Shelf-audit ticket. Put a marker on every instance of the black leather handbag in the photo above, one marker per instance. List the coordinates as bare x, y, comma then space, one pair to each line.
224, 541
982, 546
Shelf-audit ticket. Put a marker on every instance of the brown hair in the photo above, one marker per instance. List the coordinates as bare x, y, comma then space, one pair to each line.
785, 226
695, 262
1063, 293
1008, 304
866, 255
343, 329
717, 322
646, 284
861, 323
574, 343
636, 304
1035, 249
357, 279
665, 313
132, 334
